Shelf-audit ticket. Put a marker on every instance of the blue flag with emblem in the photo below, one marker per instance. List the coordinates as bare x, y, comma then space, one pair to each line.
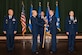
57, 16
39, 10
30, 25
47, 11
47, 15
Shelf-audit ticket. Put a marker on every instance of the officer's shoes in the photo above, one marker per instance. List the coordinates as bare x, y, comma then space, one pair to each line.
36, 52
9, 50
71, 52
52, 52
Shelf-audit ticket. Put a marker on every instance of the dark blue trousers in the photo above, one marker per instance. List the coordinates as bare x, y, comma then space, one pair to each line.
34, 43
71, 41
53, 43
41, 32
10, 41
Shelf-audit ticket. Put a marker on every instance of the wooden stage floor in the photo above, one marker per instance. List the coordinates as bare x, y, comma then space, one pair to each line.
29, 36
26, 50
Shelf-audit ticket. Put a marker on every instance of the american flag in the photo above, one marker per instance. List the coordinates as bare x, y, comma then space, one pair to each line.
48, 18
39, 10
23, 19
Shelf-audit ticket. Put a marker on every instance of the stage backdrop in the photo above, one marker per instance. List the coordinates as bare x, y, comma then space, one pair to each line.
64, 7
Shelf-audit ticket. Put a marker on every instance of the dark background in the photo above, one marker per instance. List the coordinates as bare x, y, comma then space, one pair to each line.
64, 7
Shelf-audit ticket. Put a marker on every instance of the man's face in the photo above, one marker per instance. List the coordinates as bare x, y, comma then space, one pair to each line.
35, 13
42, 14
51, 13
71, 13
10, 12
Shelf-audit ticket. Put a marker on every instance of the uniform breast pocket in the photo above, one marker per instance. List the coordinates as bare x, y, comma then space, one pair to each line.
14, 22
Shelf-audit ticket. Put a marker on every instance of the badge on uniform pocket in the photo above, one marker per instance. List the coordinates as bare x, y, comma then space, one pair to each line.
69, 22
13, 20
6, 21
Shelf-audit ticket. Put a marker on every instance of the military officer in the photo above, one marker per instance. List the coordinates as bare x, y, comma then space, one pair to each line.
42, 21
10, 29
53, 30
35, 28
71, 30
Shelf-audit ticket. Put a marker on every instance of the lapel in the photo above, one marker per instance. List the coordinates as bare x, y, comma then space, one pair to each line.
7, 17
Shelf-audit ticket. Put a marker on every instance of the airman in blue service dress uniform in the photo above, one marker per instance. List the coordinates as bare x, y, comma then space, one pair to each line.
53, 30
42, 21
10, 29
71, 30
35, 28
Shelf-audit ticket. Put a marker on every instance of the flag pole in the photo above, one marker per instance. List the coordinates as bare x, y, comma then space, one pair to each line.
24, 41
23, 23
44, 37
45, 30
